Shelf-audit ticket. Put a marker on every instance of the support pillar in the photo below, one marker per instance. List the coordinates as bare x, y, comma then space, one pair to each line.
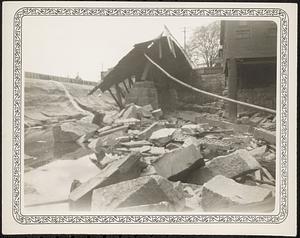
232, 88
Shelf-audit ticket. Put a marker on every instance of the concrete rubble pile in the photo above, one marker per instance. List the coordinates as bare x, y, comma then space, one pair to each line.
150, 160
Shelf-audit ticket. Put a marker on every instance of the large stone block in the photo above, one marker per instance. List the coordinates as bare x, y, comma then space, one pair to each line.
140, 191
123, 169
177, 163
174, 192
231, 165
222, 193
234, 164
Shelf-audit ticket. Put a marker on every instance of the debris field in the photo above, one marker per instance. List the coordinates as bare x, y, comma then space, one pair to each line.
187, 160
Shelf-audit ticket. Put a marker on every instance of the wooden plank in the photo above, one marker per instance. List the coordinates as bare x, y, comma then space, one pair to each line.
119, 96
130, 82
124, 83
114, 97
232, 88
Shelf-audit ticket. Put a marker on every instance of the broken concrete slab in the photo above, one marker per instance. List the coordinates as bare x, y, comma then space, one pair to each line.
127, 121
105, 128
112, 130
133, 144
194, 129
215, 144
158, 113
71, 131
269, 126
146, 133
231, 165
177, 163
144, 111
174, 192
119, 170
178, 136
123, 139
162, 136
142, 149
221, 192
191, 141
130, 112
157, 207
135, 192
107, 159
255, 120
105, 141
262, 134
258, 152
172, 146
157, 150
234, 164
147, 107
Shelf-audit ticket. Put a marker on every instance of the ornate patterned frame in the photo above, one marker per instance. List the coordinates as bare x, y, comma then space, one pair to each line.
149, 219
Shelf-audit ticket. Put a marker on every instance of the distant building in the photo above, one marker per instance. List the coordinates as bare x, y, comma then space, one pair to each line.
249, 60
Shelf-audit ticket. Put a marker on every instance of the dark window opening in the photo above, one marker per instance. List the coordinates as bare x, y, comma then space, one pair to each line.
256, 75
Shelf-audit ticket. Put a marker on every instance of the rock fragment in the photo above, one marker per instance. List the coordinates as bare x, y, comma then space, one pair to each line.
97, 144
234, 164
268, 136
162, 136
135, 192
194, 129
133, 144
123, 169
221, 193
177, 163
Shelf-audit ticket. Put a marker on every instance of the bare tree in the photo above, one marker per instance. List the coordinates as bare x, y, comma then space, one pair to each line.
204, 44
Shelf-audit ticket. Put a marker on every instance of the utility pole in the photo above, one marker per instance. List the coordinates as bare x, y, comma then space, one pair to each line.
184, 37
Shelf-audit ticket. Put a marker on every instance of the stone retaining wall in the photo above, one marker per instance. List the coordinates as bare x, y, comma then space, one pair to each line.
265, 97
213, 83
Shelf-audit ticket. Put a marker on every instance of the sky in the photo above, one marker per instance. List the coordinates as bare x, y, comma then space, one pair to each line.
67, 46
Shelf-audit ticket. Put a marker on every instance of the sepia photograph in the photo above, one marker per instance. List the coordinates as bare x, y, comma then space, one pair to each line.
140, 115
121, 121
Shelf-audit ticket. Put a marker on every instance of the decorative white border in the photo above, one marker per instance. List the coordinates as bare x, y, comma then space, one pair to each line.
149, 219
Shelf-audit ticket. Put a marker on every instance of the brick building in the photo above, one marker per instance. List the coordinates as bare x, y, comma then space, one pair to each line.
249, 50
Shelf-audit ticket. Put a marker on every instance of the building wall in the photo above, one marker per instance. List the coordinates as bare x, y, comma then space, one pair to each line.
248, 39
253, 44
